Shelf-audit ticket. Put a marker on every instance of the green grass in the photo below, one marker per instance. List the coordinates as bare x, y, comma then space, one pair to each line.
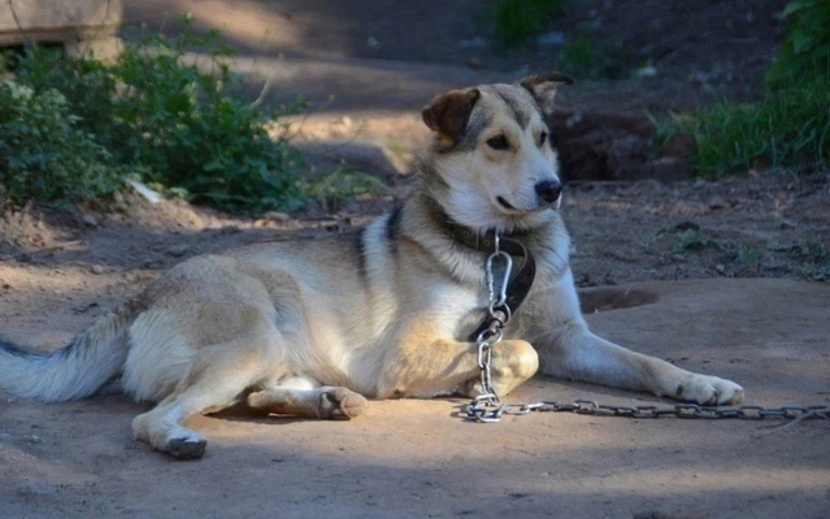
516, 21
789, 127
584, 58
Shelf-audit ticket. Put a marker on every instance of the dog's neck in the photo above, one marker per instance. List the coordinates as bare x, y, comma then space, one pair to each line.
484, 241
480, 240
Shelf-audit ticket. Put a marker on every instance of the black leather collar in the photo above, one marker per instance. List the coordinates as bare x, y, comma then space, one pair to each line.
524, 270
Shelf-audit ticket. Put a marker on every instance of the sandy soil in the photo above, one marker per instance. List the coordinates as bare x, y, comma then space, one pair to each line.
634, 218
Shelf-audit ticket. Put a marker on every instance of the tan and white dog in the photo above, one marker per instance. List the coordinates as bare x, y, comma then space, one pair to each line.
310, 328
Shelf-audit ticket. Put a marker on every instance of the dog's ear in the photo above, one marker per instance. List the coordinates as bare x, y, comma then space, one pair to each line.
449, 113
543, 88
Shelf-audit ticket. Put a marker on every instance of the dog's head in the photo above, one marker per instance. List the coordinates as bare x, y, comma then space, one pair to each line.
491, 163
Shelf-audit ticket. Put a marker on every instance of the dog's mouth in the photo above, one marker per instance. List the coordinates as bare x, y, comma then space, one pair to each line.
510, 208
505, 204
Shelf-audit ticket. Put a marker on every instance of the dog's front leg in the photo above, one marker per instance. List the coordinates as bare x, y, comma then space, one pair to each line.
424, 366
567, 349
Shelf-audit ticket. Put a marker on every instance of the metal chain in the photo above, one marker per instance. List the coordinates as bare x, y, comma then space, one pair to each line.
487, 406
493, 334
492, 414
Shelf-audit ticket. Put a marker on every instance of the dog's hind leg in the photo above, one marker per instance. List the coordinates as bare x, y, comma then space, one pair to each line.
219, 375
334, 403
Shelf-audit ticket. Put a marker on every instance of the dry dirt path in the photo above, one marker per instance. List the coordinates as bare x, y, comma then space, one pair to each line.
407, 458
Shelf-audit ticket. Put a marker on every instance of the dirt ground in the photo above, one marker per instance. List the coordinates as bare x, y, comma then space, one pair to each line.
659, 249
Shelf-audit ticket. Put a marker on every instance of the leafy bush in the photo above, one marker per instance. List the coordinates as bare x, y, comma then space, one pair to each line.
44, 154
182, 124
806, 49
178, 121
790, 126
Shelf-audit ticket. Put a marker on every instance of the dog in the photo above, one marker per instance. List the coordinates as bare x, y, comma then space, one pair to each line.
312, 328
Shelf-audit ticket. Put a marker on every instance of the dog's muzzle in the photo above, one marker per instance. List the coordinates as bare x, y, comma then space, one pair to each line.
548, 191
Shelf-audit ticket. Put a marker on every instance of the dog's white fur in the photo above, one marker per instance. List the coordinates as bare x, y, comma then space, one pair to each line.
306, 329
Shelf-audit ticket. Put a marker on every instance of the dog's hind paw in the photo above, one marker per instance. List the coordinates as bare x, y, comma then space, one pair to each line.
339, 403
707, 390
186, 448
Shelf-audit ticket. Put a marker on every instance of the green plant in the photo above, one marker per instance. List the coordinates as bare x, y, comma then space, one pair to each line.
172, 110
192, 132
586, 59
811, 251
517, 20
44, 153
814, 258
789, 127
692, 240
667, 129
748, 257
88, 86
806, 50
331, 190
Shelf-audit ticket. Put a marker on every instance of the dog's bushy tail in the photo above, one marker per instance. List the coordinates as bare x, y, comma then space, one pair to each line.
78, 370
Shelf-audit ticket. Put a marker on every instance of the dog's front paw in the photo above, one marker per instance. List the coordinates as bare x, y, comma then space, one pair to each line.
706, 390
339, 403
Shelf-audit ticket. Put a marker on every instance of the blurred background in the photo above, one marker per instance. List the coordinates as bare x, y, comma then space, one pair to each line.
694, 139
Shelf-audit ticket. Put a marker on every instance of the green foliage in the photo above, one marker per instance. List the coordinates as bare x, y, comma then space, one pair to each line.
666, 130
806, 50
585, 59
790, 126
179, 121
184, 126
813, 256
747, 258
87, 85
692, 240
331, 190
44, 153
810, 251
518, 20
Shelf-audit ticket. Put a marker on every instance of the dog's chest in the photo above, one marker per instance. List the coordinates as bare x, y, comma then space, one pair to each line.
453, 310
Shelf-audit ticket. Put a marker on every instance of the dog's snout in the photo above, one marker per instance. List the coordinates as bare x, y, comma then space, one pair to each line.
549, 190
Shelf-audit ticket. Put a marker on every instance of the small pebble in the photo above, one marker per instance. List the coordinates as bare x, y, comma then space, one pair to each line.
178, 250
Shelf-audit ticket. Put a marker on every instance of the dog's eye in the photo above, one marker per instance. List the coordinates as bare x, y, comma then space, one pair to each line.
499, 142
543, 138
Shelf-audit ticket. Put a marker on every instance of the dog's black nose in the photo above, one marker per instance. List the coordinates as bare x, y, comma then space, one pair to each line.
549, 190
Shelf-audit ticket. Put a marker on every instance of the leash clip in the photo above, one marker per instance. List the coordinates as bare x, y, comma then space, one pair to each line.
500, 299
